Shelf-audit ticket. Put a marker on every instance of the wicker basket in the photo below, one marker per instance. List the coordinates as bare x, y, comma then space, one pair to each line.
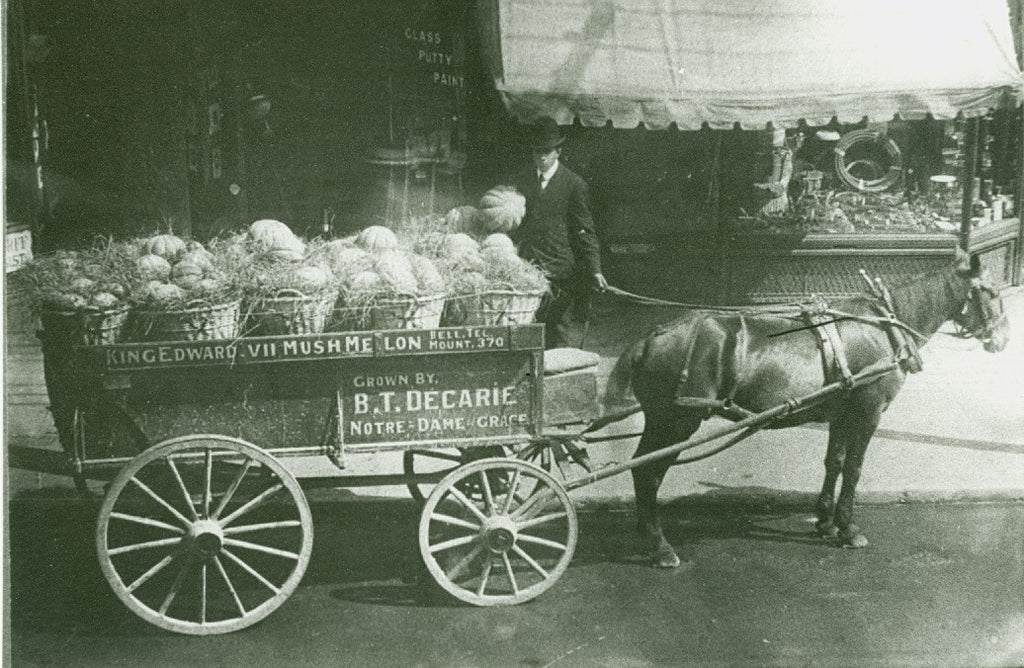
407, 312
91, 328
494, 307
198, 321
291, 312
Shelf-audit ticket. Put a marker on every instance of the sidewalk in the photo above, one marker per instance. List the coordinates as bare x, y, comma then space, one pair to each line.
955, 431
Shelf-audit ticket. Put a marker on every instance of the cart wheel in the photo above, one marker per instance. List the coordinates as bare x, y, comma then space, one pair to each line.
204, 534
440, 462
504, 548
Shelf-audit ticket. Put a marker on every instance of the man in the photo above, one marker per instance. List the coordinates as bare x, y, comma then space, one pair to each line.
557, 232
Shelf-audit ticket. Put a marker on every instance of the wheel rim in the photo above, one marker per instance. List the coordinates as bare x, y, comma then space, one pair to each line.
441, 462
504, 548
204, 535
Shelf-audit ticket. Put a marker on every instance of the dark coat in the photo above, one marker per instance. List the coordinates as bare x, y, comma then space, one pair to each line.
557, 231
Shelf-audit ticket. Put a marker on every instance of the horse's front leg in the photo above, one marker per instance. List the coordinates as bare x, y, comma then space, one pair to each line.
857, 433
658, 433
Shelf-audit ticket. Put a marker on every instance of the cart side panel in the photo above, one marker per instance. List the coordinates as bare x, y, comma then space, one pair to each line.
444, 399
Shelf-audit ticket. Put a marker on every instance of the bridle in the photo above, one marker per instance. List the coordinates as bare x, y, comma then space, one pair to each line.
982, 313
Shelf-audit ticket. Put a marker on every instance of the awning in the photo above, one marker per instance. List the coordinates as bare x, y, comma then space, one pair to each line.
722, 62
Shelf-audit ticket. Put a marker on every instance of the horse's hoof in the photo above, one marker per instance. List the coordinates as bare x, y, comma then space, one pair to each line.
666, 557
855, 542
827, 529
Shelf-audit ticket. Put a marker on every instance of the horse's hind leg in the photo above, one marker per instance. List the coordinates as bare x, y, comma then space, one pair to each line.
825, 505
660, 431
856, 430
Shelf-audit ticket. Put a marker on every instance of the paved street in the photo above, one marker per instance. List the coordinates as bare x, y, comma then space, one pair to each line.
941, 585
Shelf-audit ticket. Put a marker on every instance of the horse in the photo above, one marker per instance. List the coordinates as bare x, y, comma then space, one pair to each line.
736, 364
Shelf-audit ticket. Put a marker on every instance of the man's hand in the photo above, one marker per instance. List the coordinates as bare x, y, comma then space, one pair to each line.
600, 284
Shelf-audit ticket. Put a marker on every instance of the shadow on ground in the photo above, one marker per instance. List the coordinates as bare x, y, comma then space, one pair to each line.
365, 552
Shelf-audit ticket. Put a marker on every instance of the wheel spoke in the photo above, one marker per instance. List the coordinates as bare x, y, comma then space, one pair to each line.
209, 481
159, 566
542, 498
527, 538
283, 524
484, 576
175, 586
252, 504
231, 587
455, 521
202, 594
142, 546
463, 563
256, 547
454, 542
156, 497
233, 488
512, 489
181, 486
528, 559
147, 521
461, 498
488, 497
511, 576
540, 520
251, 571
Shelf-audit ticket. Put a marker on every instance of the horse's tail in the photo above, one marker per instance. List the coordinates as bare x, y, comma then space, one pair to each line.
618, 393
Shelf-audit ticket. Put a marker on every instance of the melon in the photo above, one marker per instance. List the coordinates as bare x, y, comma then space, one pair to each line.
428, 278
64, 301
166, 294
366, 282
501, 209
377, 238
346, 261
500, 242
104, 301
458, 244
153, 268
187, 282
199, 257
309, 280
83, 286
396, 271
166, 246
269, 234
183, 268
115, 289
208, 286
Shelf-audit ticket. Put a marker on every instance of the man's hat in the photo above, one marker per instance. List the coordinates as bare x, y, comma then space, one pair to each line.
544, 135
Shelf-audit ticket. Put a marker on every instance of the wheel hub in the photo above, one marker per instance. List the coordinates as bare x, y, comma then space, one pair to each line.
206, 537
500, 534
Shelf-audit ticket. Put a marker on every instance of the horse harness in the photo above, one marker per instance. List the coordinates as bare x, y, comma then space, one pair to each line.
816, 315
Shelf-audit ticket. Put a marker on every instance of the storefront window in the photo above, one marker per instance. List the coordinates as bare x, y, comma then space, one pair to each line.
902, 177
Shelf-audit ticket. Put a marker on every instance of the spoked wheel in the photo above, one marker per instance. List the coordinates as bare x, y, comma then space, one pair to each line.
562, 459
204, 534
441, 462
505, 547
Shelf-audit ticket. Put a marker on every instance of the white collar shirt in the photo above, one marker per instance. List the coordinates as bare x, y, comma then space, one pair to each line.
545, 177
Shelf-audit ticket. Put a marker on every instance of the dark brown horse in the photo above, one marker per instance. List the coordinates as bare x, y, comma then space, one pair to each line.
734, 364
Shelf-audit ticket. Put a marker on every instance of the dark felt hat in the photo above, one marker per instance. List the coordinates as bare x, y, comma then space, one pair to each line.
544, 135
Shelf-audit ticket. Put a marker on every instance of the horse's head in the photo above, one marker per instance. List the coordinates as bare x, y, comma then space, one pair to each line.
981, 315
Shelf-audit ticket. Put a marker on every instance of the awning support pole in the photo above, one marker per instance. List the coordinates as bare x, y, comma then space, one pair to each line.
970, 168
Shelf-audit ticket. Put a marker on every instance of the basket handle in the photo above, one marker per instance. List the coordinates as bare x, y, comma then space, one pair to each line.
197, 303
289, 292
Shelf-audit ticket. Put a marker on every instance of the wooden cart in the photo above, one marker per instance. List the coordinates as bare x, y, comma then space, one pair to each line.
203, 530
